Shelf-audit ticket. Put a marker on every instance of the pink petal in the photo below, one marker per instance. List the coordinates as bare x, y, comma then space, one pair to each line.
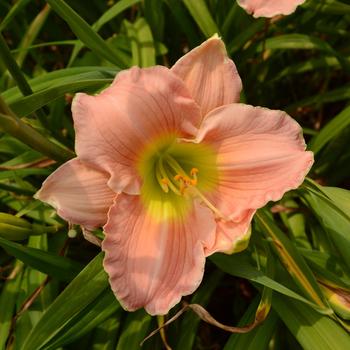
210, 75
79, 193
152, 262
232, 237
269, 8
113, 128
261, 155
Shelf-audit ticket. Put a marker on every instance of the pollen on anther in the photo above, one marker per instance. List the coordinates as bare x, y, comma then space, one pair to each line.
194, 171
165, 185
178, 177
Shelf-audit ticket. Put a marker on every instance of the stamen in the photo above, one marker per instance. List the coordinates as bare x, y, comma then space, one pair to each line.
194, 172
175, 165
163, 176
184, 183
164, 183
211, 206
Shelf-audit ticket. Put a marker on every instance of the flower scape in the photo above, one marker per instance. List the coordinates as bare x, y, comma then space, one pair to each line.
173, 167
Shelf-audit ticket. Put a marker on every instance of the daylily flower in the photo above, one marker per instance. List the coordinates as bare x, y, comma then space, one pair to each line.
269, 8
174, 167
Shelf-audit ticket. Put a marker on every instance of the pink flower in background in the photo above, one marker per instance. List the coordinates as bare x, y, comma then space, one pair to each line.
270, 8
173, 167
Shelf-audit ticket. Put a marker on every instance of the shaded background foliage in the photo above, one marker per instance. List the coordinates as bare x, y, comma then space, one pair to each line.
54, 293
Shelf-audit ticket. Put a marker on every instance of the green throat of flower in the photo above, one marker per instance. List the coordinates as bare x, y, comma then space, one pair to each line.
173, 173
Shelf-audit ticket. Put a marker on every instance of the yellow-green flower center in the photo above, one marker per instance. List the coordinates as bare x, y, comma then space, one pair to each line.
173, 173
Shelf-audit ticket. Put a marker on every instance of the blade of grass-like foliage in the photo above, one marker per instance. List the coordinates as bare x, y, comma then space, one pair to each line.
16, 73
11, 64
27, 316
189, 324
31, 34
23, 132
333, 7
330, 130
32, 103
111, 13
313, 64
183, 20
45, 44
62, 268
105, 335
296, 42
296, 223
86, 34
256, 339
327, 267
62, 76
155, 17
230, 18
11, 124
244, 36
200, 13
135, 329
21, 173
340, 94
142, 46
18, 233
332, 209
15, 189
291, 259
8, 299
312, 330
238, 265
16, 7
93, 315
83, 291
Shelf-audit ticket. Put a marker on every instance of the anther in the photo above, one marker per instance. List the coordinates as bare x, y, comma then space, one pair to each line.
164, 183
194, 172
178, 177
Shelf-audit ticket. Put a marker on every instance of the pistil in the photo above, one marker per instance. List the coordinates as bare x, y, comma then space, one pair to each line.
169, 170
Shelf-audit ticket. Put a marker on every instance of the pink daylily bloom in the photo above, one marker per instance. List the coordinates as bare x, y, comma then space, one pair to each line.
269, 8
173, 167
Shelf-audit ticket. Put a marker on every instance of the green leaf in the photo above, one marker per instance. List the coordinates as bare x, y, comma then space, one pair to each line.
86, 34
30, 104
142, 45
296, 42
331, 207
291, 259
330, 130
17, 7
62, 77
238, 265
333, 7
111, 13
259, 337
202, 16
31, 34
327, 267
135, 329
188, 328
8, 297
105, 335
312, 330
56, 266
183, 20
93, 315
82, 292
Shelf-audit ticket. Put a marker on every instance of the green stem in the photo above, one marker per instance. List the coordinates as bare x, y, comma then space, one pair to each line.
11, 124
